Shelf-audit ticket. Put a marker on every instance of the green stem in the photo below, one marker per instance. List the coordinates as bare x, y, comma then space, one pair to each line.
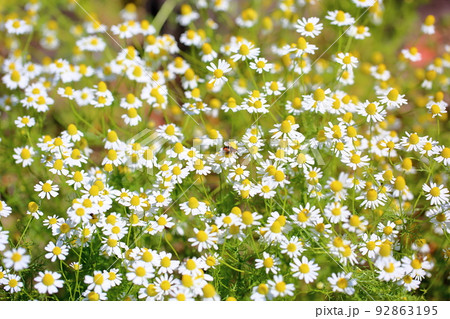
26, 228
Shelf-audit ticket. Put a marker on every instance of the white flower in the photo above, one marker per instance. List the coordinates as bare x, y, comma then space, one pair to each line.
438, 195
309, 27
219, 72
47, 189
342, 282
305, 269
16, 259
48, 282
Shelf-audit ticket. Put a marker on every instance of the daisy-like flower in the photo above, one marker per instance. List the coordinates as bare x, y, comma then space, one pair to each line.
204, 239
5, 210
356, 224
279, 288
412, 54
437, 109
319, 101
131, 118
443, 155
265, 189
340, 18
372, 111
187, 15
140, 272
305, 215
17, 26
355, 160
372, 199
59, 251
287, 130
393, 99
417, 268
12, 283
370, 246
48, 282
193, 206
392, 271
24, 155
94, 296
23, 121
244, 50
47, 189
261, 292
309, 27
170, 132
261, 65
269, 262
166, 284
359, 32
436, 194
166, 264
412, 142
249, 219
16, 259
347, 61
219, 72
364, 3
336, 212
293, 247
409, 283
305, 269
99, 282
428, 25
342, 282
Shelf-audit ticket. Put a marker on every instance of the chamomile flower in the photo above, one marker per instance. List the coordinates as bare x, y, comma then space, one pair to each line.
219, 72
436, 194
5, 210
347, 61
279, 288
305, 269
372, 199
390, 272
12, 283
417, 268
409, 283
58, 251
336, 212
370, 246
17, 26
293, 247
269, 262
204, 239
244, 50
48, 282
139, 273
166, 264
16, 259
393, 99
47, 189
442, 154
25, 121
24, 155
412, 54
261, 65
342, 282
428, 25
340, 18
372, 111
309, 27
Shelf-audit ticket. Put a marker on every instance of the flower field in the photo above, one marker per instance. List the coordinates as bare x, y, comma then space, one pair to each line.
224, 150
